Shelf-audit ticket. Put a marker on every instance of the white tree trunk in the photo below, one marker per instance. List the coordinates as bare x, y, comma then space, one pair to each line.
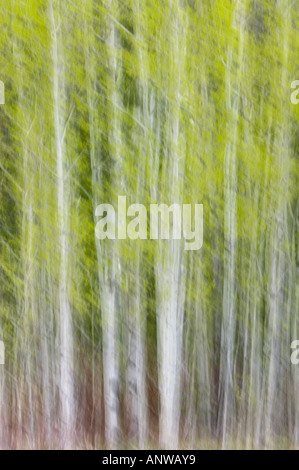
65, 322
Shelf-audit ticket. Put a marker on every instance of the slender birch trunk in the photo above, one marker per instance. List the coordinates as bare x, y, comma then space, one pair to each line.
65, 322
226, 392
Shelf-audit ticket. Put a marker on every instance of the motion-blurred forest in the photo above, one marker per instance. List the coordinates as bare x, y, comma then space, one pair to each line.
140, 344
